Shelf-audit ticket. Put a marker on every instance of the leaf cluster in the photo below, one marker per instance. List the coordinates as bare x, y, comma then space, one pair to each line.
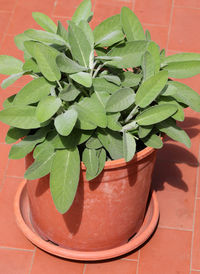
95, 96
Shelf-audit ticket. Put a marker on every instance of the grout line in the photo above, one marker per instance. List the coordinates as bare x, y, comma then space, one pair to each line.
155, 25
186, 7
175, 228
84, 268
197, 270
4, 175
131, 260
194, 212
9, 21
54, 6
138, 261
133, 4
5, 11
15, 248
13, 176
32, 260
170, 24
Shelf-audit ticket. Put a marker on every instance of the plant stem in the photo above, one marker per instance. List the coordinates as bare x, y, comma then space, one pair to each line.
131, 114
98, 69
59, 84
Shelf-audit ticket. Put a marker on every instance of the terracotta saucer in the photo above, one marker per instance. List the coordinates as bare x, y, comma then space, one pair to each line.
22, 214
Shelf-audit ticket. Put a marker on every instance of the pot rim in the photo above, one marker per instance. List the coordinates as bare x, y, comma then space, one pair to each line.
121, 162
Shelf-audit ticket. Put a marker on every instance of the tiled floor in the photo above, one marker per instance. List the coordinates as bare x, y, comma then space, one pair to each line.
175, 246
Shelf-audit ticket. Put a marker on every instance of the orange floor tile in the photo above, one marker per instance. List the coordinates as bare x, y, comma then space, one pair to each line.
175, 246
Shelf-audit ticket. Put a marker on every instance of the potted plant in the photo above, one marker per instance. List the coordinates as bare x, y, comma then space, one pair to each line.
90, 121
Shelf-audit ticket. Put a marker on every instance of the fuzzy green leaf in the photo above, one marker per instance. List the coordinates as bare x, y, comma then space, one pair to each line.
80, 46
9, 101
21, 117
19, 41
153, 141
46, 59
10, 65
83, 12
82, 78
179, 114
65, 122
129, 146
112, 141
47, 107
113, 121
184, 69
155, 114
174, 132
120, 100
150, 89
154, 50
102, 85
130, 79
64, 178
129, 54
63, 33
144, 131
131, 25
148, 67
11, 79
108, 32
90, 160
93, 143
33, 92
181, 57
69, 93
31, 65
15, 134
44, 21
113, 79
67, 65
183, 94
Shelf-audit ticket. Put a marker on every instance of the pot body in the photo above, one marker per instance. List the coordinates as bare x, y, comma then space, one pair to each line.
106, 211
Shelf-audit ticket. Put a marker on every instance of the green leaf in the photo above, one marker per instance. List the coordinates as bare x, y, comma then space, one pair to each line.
147, 66
179, 114
19, 41
15, 134
47, 107
10, 65
154, 50
184, 69
174, 132
88, 32
144, 131
65, 122
112, 141
64, 178
9, 101
45, 37
102, 97
147, 35
153, 141
46, 59
31, 65
91, 113
67, 65
150, 89
11, 79
60, 142
130, 79
101, 154
129, 54
129, 146
113, 122
181, 57
21, 149
80, 46
42, 165
83, 12
82, 78
120, 100
113, 79
42, 148
29, 47
44, 21
33, 92
101, 85
16, 116
183, 94
131, 25
69, 93
90, 160
63, 33
93, 143
108, 32
155, 114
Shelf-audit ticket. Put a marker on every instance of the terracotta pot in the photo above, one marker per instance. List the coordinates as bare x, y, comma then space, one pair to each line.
106, 212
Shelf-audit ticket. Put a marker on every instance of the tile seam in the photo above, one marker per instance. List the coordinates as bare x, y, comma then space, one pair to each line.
138, 261
197, 270
170, 24
194, 213
32, 261
131, 260
175, 228
84, 268
186, 7
4, 175
17, 249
